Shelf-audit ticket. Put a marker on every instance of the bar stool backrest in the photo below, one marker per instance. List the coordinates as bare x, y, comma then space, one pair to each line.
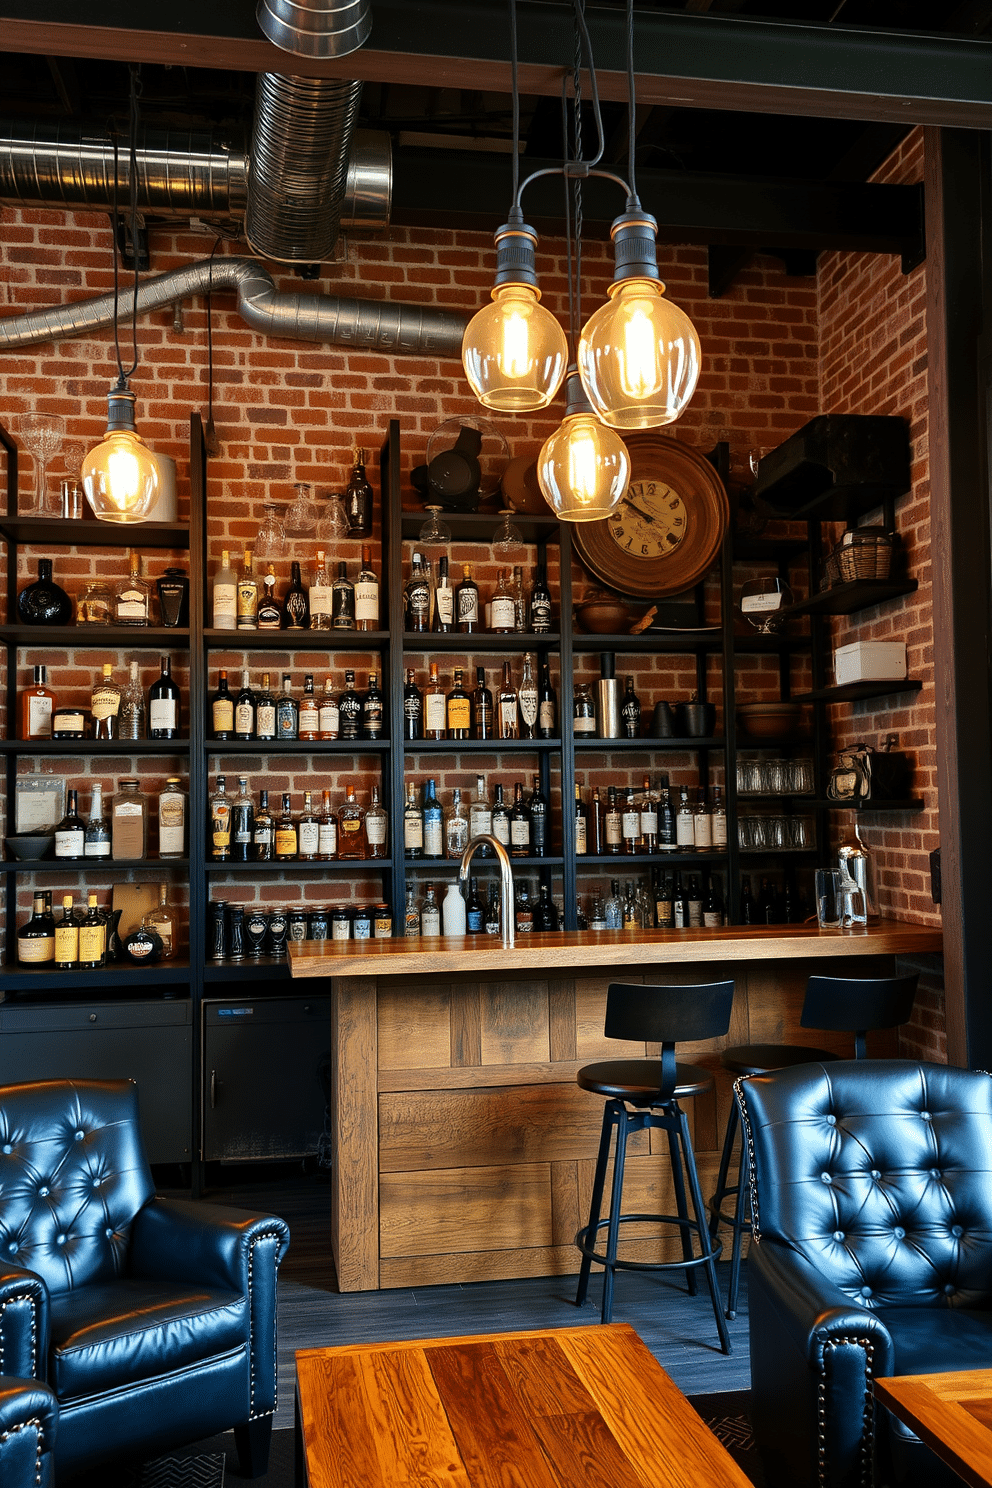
668, 1015
858, 1004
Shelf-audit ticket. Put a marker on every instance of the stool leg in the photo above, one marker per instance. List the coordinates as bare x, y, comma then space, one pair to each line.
704, 1234
616, 1200
596, 1206
733, 1121
740, 1225
681, 1207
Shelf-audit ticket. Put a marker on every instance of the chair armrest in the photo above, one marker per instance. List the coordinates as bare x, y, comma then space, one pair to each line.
29, 1418
23, 1323
813, 1313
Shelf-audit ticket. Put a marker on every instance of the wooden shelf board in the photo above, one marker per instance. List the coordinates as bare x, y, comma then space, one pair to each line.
97, 637
478, 642
480, 527
853, 692
110, 747
847, 599
296, 640
54, 532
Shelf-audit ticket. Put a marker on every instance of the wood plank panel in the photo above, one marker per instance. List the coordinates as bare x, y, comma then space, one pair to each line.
590, 1015
408, 1423
333, 1407
494, 1208
466, 1025
561, 1008
354, 1192
465, 1267
414, 1030
515, 1022
565, 1216
480, 1076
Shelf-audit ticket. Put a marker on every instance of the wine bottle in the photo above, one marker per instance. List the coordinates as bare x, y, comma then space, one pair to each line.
44, 602
163, 704
247, 596
358, 499
295, 605
70, 834
244, 710
443, 621
547, 706
222, 710
367, 594
36, 939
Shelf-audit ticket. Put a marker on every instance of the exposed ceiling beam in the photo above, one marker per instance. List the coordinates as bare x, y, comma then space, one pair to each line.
689, 60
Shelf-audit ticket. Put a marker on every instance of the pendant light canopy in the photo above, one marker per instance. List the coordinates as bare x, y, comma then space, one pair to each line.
120, 475
583, 468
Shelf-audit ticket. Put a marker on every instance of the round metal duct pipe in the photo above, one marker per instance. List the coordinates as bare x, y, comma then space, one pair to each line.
315, 28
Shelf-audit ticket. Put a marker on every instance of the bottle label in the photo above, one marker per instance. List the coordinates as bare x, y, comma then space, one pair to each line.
702, 834
430, 920
418, 599
327, 839
247, 604
508, 718
413, 831
38, 948
296, 609
503, 613
614, 829
132, 605
436, 714
105, 703
67, 942
223, 715
63, 722
162, 713
286, 842
309, 839
719, 830
519, 832
225, 606
649, 822
712, 918
528, 706
265, 720
501, 829
546, 716
413, 708
366, 601
433, 837
92, 942
581, 839
459, 713
540, 613
40, 719
286, 722
375, 829
444, 600
473, 918
171, 825
480, 821
468, 605
631, 824
100, 848
329, 720
685, 835
70, 844
244, 719
320, 602
584, 723
411, 923
309, 718
372, 716
663, 913
220, 825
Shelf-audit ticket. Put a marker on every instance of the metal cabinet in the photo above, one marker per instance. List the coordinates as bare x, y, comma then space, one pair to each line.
265, 1072
149, 1042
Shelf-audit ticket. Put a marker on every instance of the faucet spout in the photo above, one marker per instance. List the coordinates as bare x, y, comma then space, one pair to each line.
506, 904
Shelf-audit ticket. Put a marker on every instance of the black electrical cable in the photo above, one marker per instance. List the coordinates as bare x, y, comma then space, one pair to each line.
631, 101
135, 70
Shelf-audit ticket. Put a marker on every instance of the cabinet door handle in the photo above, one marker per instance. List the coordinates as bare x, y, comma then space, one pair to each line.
213, 1090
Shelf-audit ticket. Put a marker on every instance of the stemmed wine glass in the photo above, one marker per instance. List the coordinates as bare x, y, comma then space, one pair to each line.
507, 538
42, 434
434, 533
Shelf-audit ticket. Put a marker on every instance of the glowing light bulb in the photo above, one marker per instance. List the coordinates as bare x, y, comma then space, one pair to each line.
639, 357
583, 468
514, 351
120, 475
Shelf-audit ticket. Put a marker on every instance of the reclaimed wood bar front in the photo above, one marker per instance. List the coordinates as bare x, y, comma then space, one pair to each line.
463, 1149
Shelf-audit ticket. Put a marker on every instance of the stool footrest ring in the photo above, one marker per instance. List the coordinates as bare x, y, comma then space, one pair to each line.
587, 1248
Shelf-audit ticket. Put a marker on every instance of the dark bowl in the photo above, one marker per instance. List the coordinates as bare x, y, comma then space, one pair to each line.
23, 846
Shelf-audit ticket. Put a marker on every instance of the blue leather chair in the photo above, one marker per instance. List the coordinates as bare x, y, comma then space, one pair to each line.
871, 1192
152, 1320
29, 1418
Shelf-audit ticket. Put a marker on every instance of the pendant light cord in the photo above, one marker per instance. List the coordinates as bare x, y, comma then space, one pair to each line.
515, 94
135, 91
631, 107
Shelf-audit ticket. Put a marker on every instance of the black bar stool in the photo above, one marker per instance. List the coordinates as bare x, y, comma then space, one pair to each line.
665, 1016
844, 1005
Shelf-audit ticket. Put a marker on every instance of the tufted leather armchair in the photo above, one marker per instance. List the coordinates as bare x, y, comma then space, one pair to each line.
28, 1421
872, 1204
152, 1320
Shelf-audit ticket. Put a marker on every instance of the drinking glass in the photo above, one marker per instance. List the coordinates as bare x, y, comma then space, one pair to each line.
507, 539
434, 533
42, 434
301, 518
854, 911
775, 776
270, 540
829, 908
333, 524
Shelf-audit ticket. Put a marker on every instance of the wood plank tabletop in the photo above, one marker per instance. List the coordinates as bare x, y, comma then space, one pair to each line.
555, 1408
482, 954
952, 1413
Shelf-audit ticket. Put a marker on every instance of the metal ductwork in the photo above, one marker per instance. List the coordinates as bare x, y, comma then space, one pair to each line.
366, 325
315, 28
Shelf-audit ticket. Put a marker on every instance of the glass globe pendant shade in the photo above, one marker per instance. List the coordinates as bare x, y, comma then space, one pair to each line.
639, 357
120, 475
583, 469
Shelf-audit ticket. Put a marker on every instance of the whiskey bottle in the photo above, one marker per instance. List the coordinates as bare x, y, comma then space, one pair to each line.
222, 710
265, 711
219, 829
36, 938
242, 823
443, 619
358, 499
685, 830
269, 613
163, 704
92, 938
367, 594
37, 707
502, 612
467, 602
161, 921
501, 818
172, 819
132, 596
435, 707
96, 841
129, 822
540, 603
287, 711
712, 908
352, 842
372, 709
455, 826
506, 707
328, 713
649, 818
287, 842
263, 835
480, 815
702, 827
321, 597
538, 808
612, 823
349, 709
308, 719
433, 823
413, 707
327, 830
519, 824
66, 938
547, 706
527, 697
630, 712
105, 704
131, 718
343, 600
630, 825
413, 824
417, 599
459, 710
295, 605
581, 824
244, 710
718, 821
247, 596
225, 598
482, 707
70, 834
308, 831
376, 827
430, 913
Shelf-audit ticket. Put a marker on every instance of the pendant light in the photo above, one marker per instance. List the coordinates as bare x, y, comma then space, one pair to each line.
120, 475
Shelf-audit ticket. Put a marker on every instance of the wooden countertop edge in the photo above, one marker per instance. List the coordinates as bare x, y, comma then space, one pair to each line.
550, 953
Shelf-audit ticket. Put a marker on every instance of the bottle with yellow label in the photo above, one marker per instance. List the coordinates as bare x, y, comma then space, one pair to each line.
287, 837
459, 710
93, 938
219, 830
247, 596
67, 938
36, 939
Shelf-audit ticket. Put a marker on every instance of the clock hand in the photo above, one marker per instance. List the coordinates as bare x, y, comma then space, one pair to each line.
638, 509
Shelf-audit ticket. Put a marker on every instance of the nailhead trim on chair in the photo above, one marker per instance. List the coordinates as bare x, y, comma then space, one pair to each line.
260, 1415
21, 1297
749, 1138
868, 1426
39, 1449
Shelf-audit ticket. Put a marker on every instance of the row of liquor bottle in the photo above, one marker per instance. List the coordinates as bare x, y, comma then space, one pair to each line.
86, 939
243, 601
116, 710
649, 821
118, 828
431, 830
129, 602
238, 831
264, 715
431, 603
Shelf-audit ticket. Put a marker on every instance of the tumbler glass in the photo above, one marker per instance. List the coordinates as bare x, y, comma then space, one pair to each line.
829, 908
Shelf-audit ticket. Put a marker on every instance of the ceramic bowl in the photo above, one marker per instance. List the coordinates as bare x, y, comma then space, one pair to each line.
603, 617
25, 845
769, 720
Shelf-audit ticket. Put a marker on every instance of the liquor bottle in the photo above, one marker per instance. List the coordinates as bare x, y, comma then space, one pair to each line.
523, 911
545, 914
287, 711
613, 909
413, 824
66, 938
269, 613
597, 824
612, 823
581, 824
527, 697
328, 713
132, 596
519, 824
144, 946
539, 616
480, 815
96, 841
749, 915
630, 824
443, 620
411, 914
36, 938
501, 818
327, 830
459, 710
129, 822
475, 912
667, 834
453, 917
265, 711
343, 600
377, 827
163, 704
358, 499
367, 594
630, 712
413, 707
372, 709
519, 602
685, 823
583, 711
430, 913
433, 823
171, 819
242, 822
263, 837
680, 905
308, 831
105, 704
44, 602
295, 605
664, 914
702, 828
456, 830
481, 707
219, 839
768, 912
712, 907
718, 820
222, 710
596, 918
467, 602
503, 610
70, 834
244, 710
538, 808
695, 900
287, 841
161, 921
506, 707
491, 921
225, 605
435, 708
649, 818
417, 598
37, 706
247, 596
352, 842
131, 718
308, 718
631, 918
349, 710
321, 597
547, 706
92, 937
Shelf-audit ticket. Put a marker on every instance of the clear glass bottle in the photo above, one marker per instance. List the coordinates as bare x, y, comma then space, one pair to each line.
132, 596
480, 815
343, 600
612, 823
411, 914
433, 822
37, 706
367, 594
501, 818
417, 598
702, 826
430, 912
502, 609
352, 840
287, 711
718, 821
219, 825
596, 919
131, 718
613, 909
328, 713
685, 828
413, 824
527, 698
242, 823
247, 595
105, 704
129, 822
308, 830
377, 827
349, 709
172, 819
507, 711
225, 596
630, 824
583, 711
435, 707
443, 617
321, 597
36, 938
287, 842
265, 710
70, 834
95, 606
308, 718
649, 817
263, 839
327, 830
269, 613
456, 830
162, 920
97, 838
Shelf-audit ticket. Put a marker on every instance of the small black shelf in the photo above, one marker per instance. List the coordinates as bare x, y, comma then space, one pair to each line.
251, 969
113, 748
56, 532
98, 865
296, 746
852, 692
632, 860
792, 853
295, 865
907, 803
679, 744
480, 527
122, 975
479, 641
708, 639
847, 599
296, 640
97, 637
437, 865
468, 746
768, 549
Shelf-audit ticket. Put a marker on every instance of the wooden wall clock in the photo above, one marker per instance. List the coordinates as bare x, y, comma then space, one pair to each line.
667, 531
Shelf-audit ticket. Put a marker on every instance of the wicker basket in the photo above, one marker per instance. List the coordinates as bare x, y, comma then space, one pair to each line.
863, 553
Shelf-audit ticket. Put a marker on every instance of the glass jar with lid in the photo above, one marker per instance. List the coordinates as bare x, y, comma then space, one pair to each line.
129, 822
95, 606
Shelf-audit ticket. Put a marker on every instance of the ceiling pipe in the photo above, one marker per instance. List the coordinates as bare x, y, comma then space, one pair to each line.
365, 325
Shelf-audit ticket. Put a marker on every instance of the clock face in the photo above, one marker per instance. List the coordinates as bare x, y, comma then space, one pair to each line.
651, 521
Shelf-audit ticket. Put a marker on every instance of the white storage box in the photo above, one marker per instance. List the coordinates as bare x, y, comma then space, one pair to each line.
870, 661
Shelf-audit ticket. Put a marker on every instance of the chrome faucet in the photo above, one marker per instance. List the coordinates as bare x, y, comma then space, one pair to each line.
506, 904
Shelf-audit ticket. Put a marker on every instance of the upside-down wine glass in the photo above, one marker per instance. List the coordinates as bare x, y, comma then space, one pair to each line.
42, 434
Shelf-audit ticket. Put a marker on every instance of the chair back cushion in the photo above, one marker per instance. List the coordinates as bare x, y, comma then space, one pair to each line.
879, 1172
73, 1175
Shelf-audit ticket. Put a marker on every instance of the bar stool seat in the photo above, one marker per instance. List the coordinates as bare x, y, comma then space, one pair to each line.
761, 1059
630, 1080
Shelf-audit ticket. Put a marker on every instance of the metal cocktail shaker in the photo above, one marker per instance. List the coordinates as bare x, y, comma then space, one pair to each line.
856, 863
608, 698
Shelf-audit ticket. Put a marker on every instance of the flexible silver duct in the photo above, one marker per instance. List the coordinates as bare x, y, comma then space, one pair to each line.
181, 173
408, 330
315, 28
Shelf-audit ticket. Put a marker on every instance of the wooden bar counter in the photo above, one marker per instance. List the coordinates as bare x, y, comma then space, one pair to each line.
463, 1149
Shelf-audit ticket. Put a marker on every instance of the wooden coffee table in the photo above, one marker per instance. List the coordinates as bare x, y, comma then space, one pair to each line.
952, 1413
557, 1408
